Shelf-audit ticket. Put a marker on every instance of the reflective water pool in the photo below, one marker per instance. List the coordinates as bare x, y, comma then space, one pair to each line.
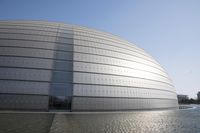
168, 121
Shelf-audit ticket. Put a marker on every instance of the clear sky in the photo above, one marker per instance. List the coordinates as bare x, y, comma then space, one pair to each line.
169, 30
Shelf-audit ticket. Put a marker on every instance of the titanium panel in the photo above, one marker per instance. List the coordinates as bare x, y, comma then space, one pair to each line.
47, 65
25, 102
108, 104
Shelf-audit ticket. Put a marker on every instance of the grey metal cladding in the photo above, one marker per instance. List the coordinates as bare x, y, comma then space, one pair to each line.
25, 74
115, 55
9, 101
24, 87
117, 62
90, 69
117, 70
27, 37
26, 64
102, 79
111, 48
121, 91
107, 104
23, 43
111, 74
26, 52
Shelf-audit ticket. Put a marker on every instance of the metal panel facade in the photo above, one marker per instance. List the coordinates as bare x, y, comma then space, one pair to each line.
61, 66
35, 65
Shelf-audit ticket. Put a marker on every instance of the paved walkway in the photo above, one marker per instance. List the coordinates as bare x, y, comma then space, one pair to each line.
59, 124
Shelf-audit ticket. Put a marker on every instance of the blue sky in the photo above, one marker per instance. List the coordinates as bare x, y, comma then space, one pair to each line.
169, 30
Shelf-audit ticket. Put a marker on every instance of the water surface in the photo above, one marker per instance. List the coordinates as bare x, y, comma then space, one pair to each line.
168, 121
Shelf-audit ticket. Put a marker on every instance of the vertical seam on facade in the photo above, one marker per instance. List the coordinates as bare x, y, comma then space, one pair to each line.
72, 91
53, 66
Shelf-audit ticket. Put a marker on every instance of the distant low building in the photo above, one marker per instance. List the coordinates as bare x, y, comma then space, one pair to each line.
198, 96
182, 98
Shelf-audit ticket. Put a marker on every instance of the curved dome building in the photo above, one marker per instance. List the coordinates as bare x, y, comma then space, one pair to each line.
47, 65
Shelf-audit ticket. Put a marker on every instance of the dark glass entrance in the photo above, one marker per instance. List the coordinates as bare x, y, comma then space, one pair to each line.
60, 93
60, 96
59, 103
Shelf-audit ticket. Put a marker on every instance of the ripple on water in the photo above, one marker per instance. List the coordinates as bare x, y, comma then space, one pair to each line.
169, 121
